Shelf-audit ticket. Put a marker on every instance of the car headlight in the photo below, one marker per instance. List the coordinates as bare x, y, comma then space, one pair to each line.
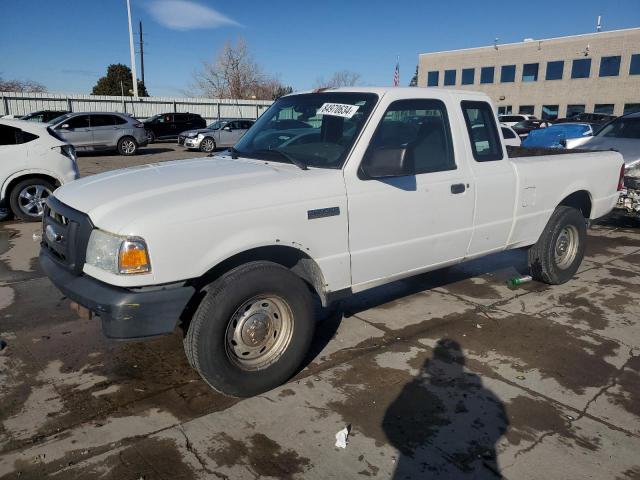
117, 254
200, 136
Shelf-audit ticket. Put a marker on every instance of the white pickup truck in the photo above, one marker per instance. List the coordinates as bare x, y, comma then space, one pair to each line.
331, 192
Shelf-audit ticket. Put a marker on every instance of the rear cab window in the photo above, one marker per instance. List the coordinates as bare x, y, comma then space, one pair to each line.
507, 133
483, 132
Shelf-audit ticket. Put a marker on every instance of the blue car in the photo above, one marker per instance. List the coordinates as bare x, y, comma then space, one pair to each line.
555, 136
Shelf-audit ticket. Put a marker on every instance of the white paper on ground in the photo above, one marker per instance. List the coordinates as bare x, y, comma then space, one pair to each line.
341, 438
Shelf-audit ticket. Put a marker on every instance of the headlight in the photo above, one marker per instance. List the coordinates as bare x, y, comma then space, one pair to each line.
117, 254
200, 136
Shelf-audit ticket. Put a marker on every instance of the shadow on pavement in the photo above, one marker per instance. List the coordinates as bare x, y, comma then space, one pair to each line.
445, 423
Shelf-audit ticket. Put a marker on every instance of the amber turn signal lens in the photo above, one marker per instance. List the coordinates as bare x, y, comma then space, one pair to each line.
133, 257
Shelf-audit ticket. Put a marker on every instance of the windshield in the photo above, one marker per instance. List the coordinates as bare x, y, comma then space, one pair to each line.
218, 124
53, 121
314, 129
622, 128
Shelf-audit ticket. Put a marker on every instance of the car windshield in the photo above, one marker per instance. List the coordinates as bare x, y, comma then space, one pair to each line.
313, 129
56, 120
217, 125
523, 124
564, 131
622, 128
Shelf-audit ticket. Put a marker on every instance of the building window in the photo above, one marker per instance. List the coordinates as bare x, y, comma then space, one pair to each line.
631, 107
468, 76
526, 109
449, 77
508, 74
554, 70
581, 68
505, 110
610, 66
530, 72
606, 108
573, 110
433, 78
549, 112
634, 68
486, 74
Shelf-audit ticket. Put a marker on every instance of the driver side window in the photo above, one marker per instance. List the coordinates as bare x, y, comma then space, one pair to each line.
420, 126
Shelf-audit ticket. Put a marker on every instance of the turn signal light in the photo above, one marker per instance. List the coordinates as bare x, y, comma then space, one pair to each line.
133, 257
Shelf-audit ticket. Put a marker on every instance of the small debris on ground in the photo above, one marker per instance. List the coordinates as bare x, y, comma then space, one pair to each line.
342, 437
478, 325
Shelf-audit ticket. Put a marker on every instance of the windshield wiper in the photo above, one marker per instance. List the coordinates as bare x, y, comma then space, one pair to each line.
298, 163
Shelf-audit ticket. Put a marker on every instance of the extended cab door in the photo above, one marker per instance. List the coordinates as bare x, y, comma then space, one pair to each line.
494, 178
404, 224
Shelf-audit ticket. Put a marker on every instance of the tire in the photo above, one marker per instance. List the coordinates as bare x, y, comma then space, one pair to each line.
27, 198
207, 145
127, 146
235, 308
557, 255
151, 137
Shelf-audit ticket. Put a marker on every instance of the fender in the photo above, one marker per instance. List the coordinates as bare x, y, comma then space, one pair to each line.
25, 172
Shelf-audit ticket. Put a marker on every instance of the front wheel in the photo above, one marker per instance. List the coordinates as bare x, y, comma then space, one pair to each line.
207, 145
557, 255
127, 146
252, 330
28, 197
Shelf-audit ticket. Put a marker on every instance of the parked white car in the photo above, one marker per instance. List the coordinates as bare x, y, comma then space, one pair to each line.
509, 135
395, 182
33, 162
511, 119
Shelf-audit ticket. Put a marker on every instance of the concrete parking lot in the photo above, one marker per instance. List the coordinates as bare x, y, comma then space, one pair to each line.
446, 375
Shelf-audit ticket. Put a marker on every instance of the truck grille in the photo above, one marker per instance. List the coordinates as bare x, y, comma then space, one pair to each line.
65, 234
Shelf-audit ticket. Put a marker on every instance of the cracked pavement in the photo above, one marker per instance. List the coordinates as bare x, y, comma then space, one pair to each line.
450, 374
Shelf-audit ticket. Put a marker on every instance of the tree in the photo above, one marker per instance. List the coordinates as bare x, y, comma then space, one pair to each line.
118, 81
28, 86
342, 78
414, 79
281, 91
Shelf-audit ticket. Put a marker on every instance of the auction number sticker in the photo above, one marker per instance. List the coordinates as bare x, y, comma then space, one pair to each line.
338, 110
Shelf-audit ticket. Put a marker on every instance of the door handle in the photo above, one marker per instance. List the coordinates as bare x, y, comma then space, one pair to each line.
458, 188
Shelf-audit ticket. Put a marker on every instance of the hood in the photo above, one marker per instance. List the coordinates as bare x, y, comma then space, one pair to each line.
628, 147
183, 191
197, 131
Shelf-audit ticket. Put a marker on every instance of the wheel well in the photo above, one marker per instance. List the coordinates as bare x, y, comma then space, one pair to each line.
580, 200
292, 258
27, 176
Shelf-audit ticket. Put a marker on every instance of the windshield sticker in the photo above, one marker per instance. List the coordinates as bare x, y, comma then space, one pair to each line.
338, 110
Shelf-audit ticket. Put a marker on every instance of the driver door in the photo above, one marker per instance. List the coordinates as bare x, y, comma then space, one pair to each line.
76, 130
404, 224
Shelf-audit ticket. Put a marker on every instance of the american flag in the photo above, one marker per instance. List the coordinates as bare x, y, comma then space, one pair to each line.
396, 74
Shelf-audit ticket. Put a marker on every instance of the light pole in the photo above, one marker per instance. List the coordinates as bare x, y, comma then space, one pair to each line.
134, 75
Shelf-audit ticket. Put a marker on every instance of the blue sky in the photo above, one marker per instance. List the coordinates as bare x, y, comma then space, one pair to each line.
67, 44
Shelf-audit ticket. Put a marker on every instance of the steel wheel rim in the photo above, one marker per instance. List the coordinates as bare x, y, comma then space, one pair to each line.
31, 199
566, 248
128, 146
207, 144
259, 332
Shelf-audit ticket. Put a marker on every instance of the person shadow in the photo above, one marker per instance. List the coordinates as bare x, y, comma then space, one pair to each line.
445, 423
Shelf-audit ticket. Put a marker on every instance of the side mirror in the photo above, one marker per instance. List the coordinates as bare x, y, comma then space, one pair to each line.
387, 163
64, 126
227, 128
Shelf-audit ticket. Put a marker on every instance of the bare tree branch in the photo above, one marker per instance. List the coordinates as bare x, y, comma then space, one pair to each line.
28, 86
342, 78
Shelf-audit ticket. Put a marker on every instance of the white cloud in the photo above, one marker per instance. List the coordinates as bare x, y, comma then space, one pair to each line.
187, 15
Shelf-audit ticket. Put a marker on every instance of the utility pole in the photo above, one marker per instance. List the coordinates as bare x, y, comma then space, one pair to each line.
134, 75
141, 55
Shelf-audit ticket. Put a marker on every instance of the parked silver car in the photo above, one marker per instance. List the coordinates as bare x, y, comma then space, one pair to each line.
222, 133
101, 131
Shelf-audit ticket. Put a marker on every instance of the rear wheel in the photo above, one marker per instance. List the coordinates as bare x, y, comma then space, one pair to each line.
151, 137
127, 146
557, 255
28, 197
207, 145
252, 330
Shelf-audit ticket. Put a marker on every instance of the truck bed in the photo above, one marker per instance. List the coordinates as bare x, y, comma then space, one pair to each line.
515, 152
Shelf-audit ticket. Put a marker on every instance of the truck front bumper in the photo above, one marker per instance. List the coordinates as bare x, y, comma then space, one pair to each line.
125, 313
